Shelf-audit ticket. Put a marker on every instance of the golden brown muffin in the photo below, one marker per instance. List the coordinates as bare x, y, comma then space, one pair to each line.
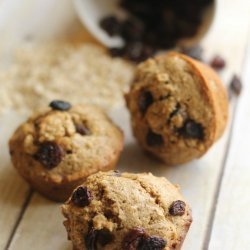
57, 149
178, 107
114, 211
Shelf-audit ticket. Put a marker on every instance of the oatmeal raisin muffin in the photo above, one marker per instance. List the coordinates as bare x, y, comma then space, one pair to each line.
178, 107
57, 149
114, 211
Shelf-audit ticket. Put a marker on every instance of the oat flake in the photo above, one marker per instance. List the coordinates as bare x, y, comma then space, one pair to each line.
76, 74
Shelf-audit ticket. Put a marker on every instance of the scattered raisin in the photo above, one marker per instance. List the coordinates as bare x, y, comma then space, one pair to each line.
136, 7
81, 197
49, 154
82, 129
218, 63
154, 139
144, 101
156, 25
236, 85
111, 25
133, 238
117, 52
60, 105
186, 29
177, 208
192, 129
132, 29
152, 243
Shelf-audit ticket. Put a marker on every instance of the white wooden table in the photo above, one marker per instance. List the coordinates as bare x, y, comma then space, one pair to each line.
217, 186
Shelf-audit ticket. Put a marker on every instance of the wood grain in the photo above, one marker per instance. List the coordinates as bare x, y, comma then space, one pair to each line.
13, 190
232, 223
41, 227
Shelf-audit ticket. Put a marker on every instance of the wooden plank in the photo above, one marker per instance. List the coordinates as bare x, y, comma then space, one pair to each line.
234, 28
13, 190
41, 227
232, 222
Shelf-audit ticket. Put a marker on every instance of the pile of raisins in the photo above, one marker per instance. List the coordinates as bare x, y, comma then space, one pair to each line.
154, 25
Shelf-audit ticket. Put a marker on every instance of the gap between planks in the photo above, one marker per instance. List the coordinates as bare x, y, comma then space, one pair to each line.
20, 216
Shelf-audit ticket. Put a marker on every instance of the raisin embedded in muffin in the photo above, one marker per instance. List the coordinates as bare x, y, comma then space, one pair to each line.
57, 149
178, 107
126, 211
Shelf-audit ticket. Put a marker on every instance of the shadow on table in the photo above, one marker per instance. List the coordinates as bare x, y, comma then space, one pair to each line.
134, 159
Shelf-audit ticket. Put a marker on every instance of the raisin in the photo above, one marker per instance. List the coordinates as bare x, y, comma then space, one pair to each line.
116, 52
157, 24
111, 25
104, 237
90, 239
152, 243
60, 105
186, 29
154, 139
82, 129
133, 238
218, 62
49, 154
177, 208
136, 7
97, 237
144, 101
81, 197
148, 51
192, 129
236, 85
132, 30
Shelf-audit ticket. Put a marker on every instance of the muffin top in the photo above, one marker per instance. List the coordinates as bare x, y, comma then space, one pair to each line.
178, 107
126, 211
64, 143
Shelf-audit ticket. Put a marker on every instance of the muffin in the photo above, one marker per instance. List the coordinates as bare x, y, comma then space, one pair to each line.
55, 150
178, 107
114, 211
